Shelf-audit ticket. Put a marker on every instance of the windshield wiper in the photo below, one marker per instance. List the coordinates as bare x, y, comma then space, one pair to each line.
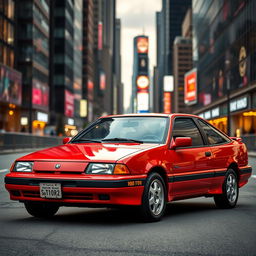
86, 140
123, 139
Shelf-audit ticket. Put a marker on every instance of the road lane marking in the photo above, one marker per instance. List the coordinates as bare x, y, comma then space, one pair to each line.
4, 170
254, 176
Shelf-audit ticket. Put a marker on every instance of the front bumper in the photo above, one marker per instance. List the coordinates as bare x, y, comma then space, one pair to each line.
102, 190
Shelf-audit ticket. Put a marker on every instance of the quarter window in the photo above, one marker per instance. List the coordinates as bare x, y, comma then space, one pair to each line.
185, 127
213, 135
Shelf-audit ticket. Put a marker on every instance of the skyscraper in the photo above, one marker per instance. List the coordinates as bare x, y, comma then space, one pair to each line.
33, 62
169, 25
66, 61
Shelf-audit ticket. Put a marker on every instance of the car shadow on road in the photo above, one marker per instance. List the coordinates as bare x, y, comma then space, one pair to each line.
107, 216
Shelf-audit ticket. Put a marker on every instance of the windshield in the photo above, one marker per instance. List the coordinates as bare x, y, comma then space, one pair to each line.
126, 129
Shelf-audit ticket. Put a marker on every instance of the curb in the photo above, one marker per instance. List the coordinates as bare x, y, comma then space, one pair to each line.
252, 154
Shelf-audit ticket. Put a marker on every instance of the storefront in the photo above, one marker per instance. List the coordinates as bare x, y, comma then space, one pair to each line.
39, 122
10, 99
242, 114
217, 116
70, 127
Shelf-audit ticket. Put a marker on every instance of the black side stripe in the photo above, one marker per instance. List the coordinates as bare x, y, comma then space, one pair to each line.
196, 176
77, 183
246, 170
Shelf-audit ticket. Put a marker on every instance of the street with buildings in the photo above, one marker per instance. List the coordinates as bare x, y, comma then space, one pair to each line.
62, 67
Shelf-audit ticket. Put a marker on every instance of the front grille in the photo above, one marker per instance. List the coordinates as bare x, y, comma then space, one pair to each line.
31, 193
78, 196
58, 172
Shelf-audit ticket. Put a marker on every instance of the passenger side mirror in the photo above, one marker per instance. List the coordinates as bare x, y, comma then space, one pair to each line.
66, 140
181, 142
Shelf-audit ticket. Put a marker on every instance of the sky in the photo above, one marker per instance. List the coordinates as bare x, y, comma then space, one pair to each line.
136, 16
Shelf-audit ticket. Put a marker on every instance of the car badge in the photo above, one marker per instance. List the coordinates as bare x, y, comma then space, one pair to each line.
57, 166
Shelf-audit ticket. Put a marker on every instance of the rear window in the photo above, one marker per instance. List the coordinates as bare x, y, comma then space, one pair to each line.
213, 135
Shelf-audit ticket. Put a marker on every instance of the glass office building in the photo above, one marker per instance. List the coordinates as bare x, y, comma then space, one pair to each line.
10, 79
224, 53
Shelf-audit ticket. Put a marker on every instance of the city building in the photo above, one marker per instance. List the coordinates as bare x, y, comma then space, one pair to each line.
169, 25
107, 66
66, 66
32, 60
118, 85
10, 78
90, 53
182, 63
140, 77
224, 54
101, 61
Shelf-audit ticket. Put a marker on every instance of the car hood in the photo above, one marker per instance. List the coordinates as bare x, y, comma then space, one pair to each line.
99, 152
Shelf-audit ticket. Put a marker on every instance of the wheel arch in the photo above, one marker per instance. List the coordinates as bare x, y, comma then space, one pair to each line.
234, 166
162, 172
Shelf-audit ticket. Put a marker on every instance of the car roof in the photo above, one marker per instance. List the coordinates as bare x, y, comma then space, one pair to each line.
151, 114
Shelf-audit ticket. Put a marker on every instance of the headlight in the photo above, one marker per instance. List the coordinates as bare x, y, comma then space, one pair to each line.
100, 168
23, 167
104, 168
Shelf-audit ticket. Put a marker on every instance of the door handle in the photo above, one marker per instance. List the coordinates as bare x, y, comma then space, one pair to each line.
208, 153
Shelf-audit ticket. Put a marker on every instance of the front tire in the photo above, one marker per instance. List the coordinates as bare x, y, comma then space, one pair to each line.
41, 209
229, 197
153, 199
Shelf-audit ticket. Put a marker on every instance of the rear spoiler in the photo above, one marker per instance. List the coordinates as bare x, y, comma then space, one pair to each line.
236, 138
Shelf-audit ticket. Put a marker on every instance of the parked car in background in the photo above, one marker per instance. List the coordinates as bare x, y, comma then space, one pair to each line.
134, 160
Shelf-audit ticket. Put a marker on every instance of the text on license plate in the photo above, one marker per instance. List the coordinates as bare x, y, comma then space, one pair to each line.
50, 190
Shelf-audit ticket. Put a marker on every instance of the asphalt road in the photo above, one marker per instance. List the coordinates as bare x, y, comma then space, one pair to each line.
190, 227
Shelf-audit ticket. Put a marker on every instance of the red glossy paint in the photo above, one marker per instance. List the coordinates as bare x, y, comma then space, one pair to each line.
187, 171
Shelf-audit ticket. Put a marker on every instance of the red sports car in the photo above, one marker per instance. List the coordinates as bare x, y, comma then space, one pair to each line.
133, 160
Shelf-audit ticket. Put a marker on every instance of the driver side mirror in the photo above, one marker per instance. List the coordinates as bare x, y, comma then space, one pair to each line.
181, 142
66, 140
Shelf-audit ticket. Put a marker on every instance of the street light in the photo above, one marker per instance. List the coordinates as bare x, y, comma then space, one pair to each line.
227, 65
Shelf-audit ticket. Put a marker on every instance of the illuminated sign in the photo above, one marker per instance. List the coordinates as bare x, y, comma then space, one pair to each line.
83, 108
43, 117
142, 101
100, 35
142, 82
238, 104
10, 85
142, 44
190, 93
168, 84
24, 120
71, 121
242, 61
90, 87
102, 80
167, 103
215, 112
40, 95
69, 104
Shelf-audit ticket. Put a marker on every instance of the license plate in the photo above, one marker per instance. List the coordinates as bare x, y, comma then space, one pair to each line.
50, 190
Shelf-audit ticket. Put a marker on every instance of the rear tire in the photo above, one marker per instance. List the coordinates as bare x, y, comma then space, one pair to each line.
228, 199
153, 199
41, 209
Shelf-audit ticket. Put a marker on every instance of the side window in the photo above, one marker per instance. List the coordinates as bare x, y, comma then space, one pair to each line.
213, 135
185, 127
